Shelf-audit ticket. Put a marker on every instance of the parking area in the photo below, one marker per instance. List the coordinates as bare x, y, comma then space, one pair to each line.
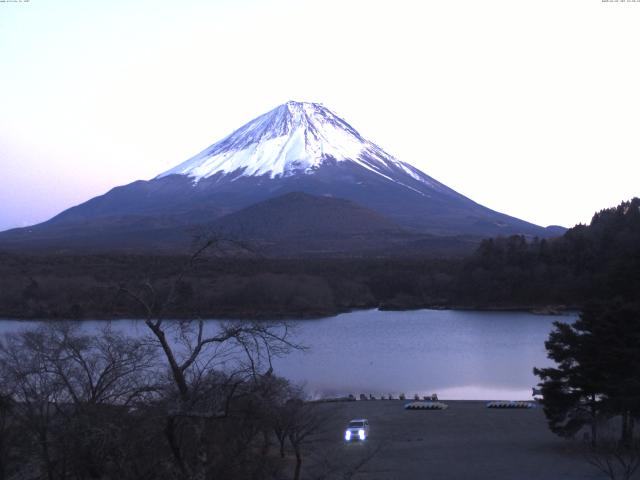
467, 440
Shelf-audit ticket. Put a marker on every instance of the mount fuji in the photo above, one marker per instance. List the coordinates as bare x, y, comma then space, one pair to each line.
301, 148
294, 138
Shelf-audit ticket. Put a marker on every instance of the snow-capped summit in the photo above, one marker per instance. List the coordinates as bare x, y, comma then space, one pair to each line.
297, 174
294, 138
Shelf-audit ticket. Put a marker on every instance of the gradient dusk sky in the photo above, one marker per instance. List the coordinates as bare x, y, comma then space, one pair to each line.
531, 107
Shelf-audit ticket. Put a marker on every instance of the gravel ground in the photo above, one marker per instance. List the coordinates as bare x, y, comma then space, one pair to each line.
467, 440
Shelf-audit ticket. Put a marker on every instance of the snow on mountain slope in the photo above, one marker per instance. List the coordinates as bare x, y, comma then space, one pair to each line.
294, 138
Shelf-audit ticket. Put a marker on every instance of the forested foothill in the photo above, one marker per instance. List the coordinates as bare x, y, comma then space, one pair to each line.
593, 261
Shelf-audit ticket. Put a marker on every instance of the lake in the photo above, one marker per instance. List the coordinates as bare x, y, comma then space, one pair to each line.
457, 354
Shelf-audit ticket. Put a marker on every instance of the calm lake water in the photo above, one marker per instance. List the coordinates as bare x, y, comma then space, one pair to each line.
456, 354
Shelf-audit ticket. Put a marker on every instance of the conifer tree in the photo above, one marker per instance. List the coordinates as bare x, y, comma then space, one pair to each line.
598, 370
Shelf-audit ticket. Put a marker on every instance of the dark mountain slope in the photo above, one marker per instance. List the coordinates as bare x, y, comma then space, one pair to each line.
300, 215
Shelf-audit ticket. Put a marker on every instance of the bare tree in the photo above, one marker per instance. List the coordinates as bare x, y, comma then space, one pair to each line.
84, 369
62, 380
37, 391
243, 350
190, 349
299, 420
7, 430
617, 460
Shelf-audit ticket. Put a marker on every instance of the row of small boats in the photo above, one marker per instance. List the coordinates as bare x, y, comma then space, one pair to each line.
428, 405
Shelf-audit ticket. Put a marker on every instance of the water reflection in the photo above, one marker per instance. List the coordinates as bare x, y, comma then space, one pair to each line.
457, 354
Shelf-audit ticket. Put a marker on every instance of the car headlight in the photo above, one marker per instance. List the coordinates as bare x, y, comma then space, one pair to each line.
347, 435
361, 434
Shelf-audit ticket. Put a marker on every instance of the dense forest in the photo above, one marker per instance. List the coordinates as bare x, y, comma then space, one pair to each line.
588, 262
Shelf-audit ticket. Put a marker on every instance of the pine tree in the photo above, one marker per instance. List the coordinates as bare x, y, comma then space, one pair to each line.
571, 394
598, 370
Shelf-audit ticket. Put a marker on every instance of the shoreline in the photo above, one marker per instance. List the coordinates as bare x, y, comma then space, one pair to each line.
543, 310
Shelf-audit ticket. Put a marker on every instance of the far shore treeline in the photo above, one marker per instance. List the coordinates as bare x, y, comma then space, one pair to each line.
588, 262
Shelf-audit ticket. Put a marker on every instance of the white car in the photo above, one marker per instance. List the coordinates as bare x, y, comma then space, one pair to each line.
358, 429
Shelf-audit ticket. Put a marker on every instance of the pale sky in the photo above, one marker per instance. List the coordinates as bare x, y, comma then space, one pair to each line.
531, 108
